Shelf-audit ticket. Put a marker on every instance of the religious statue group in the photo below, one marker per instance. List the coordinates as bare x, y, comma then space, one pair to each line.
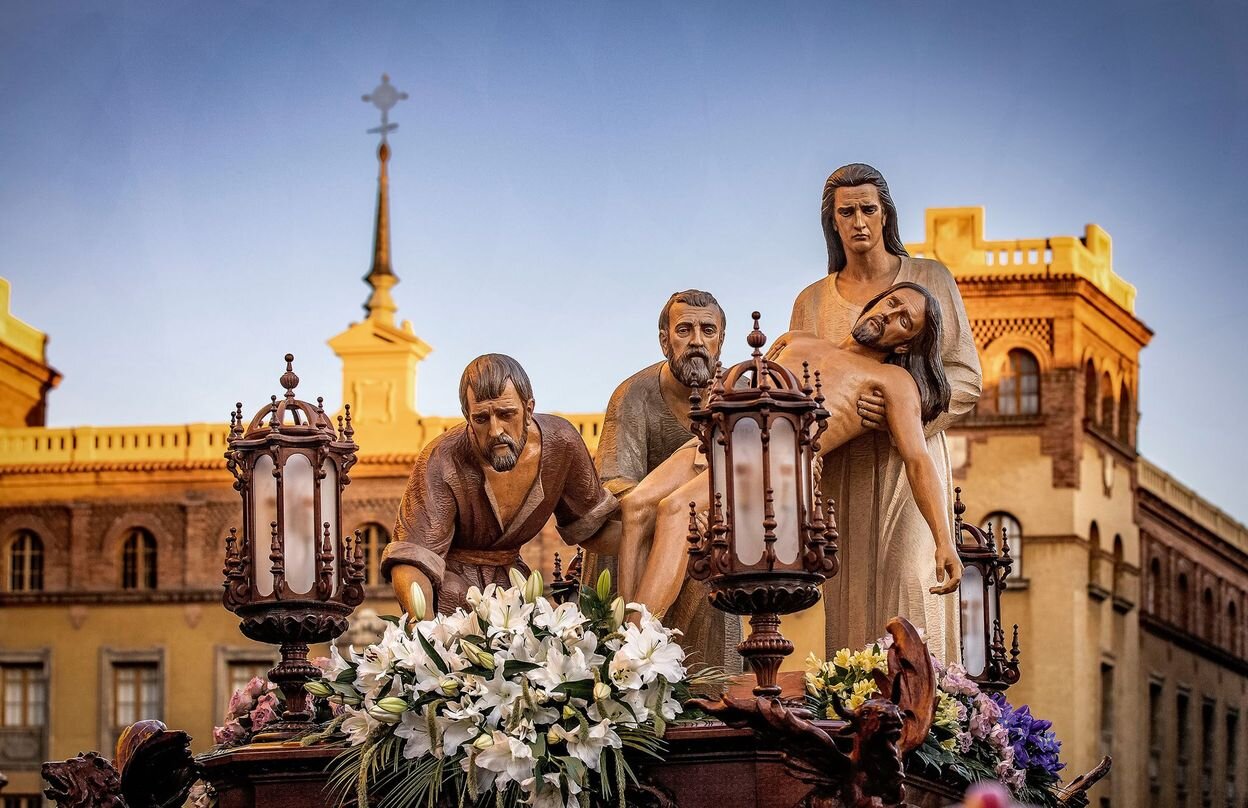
889, 336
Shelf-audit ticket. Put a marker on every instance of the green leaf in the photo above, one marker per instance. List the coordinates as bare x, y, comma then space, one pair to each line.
389, 618
513, 666
580, 689
346, 677
434, 656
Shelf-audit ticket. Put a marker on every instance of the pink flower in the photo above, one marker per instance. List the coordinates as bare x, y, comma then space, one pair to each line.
964, 742
240, 704
256, 687
231, 733
265, 712
323, 662
987, 795
999, 738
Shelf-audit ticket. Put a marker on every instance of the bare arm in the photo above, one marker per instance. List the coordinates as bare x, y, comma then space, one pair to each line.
669, 555
905, 424
402, 576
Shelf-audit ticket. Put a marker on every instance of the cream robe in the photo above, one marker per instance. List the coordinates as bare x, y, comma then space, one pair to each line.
886, 548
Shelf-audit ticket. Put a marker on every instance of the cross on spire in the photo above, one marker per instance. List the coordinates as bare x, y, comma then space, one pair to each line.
384, 96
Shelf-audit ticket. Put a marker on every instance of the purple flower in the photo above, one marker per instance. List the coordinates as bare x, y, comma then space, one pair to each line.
957, 683
1033, 745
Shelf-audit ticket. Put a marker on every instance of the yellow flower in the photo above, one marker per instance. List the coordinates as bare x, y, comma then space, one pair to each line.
864, 660
864, 688
843, 658
949, 744
813, 664
855, 701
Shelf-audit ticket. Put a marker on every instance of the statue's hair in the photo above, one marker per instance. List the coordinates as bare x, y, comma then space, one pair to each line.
690, 297
488, 375
848, 176
922, 361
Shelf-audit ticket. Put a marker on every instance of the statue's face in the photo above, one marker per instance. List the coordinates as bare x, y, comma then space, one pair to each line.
692, 342
892, 322
859, 218
500, 426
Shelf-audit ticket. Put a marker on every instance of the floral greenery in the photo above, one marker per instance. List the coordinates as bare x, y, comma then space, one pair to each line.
976, 736
513, 699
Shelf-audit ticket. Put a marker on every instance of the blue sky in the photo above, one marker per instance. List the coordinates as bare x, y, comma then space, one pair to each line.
187, 189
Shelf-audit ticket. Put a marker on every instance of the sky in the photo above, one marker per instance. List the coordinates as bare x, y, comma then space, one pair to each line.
187, 189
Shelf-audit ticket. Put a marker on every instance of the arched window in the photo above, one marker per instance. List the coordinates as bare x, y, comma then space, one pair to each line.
1232, 628
1002, 521
1018, 392
1107, 404
1091, 397
26, 562
1118, 553
1181, 609
374, 537
1209, 624
1153, 596
1124, 415
138, 560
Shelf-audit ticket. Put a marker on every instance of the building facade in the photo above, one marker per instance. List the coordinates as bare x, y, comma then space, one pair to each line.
1129, 589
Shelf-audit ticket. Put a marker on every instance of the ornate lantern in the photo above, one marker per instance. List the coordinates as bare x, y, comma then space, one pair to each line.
769, 544
984, 578
290, 579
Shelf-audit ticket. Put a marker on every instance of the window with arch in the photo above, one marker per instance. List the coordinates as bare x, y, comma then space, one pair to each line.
1018, 392
1124, 415
374, 537
1232, 627
1107, 404
1000, 520
1091, 398
25, 562
138, 560
1153, 596
1094, 551
1118, 555
1184, 592
1209, 616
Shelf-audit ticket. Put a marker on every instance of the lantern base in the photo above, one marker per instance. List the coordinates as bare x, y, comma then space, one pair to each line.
763, 592
764, 650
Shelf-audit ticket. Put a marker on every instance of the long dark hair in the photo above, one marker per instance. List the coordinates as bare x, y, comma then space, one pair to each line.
847, 177
922, 360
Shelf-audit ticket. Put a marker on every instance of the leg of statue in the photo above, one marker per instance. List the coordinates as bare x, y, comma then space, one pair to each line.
638, 510
665, 569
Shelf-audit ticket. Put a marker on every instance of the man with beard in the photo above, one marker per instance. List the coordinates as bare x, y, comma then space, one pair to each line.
893, 348
483, 489
647, 420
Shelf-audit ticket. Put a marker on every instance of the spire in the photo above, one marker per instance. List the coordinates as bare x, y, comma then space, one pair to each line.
381, 277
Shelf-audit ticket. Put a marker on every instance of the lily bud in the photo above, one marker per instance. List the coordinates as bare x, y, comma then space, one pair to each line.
378, 714
483, 741
449, 686
619, 610
602, 690
393, 704
568, 712
417, 597
534, 588
604, 585
552, 735
479, 656
517, 578
318, 688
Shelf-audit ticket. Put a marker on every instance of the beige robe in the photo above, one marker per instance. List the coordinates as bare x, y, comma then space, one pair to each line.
886, 547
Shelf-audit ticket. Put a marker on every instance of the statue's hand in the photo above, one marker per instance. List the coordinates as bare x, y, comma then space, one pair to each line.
948, 570
773, 353
871, 410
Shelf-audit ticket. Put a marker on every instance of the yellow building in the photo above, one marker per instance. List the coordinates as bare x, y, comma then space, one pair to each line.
111, 539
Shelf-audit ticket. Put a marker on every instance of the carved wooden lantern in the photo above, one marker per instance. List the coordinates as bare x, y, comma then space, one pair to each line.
291, 579
984, 578
769, 543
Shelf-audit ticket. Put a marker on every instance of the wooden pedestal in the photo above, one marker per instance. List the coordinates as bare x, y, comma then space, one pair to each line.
706, 766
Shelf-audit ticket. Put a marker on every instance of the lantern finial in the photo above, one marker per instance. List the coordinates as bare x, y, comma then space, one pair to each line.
289, 380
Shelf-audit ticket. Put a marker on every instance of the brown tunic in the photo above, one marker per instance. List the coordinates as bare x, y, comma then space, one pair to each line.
448, 524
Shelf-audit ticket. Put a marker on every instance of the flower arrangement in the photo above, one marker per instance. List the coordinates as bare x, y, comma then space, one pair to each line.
513, 699
252, 707
975, 736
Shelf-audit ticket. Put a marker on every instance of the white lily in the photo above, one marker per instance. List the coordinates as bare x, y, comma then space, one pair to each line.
511, 758
588, 746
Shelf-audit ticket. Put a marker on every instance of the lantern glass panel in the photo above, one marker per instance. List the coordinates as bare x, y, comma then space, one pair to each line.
974, 647
747, 490
784, 482
717, 469
329, 513
264, 514
298, 523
